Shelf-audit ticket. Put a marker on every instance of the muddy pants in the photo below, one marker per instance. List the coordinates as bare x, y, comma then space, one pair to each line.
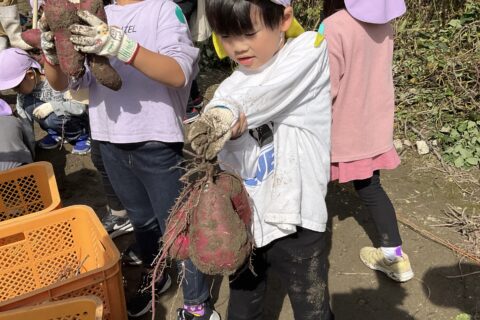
301, 262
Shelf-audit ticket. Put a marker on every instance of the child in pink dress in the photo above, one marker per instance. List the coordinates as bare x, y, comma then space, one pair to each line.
360, 45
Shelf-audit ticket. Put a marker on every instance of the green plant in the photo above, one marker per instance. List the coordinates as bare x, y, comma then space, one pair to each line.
461, 143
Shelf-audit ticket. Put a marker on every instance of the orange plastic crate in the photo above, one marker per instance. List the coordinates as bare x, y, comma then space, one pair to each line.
66, 253
28, 189
81, 308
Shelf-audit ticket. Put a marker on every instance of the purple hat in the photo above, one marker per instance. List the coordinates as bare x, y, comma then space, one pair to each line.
5, 109
375, 11
14, 64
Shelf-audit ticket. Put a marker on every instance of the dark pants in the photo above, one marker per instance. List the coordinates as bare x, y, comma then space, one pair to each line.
300, 260
144, 177
380, 207
68, 127
112, 200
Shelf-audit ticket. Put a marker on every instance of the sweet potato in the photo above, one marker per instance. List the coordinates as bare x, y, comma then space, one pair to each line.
61, 14
100, 66
175, 239
219, 239
32, 37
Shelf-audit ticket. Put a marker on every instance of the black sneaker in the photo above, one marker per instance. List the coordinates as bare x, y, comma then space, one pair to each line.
141, 303
116, 226
130, 256
209, 314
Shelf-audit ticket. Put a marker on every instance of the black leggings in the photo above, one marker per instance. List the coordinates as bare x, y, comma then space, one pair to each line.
381, 208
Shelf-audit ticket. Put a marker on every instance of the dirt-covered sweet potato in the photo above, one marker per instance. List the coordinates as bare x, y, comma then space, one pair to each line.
60, 15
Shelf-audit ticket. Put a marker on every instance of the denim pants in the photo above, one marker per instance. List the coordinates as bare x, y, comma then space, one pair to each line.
68, 127
112, 200
300, 260
146, 182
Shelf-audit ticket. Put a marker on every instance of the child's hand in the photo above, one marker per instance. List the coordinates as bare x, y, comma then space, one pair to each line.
209, 133
101, 39
43, 111
47, 42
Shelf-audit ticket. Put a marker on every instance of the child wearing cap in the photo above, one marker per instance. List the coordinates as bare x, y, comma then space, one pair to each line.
270, 123
360, 46
61, 118
17, 145
139, 127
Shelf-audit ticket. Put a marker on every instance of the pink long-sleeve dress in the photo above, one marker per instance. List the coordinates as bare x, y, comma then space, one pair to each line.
362, 92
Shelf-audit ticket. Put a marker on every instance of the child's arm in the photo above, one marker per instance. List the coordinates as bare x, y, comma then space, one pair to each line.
104, 40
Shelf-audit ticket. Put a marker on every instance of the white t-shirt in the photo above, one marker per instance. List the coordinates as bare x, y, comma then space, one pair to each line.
287, 178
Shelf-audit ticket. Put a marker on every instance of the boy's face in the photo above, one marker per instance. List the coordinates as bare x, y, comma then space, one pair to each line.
255, 49
28, 83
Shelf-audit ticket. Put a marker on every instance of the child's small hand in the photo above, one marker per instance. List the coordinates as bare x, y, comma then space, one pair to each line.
99, 38
43, 110
240, 126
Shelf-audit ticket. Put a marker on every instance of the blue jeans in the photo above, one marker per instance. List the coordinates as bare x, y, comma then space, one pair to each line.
146, 182
68, 127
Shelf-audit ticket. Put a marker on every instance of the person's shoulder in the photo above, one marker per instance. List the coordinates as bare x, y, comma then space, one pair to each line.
307, 44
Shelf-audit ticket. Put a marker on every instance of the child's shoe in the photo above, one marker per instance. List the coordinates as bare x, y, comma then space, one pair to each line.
398, 269
141, 303
50, 141
82, 145
130, 256
208, 314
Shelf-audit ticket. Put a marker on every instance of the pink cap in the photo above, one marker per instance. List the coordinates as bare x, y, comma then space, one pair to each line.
375, 11
14, 64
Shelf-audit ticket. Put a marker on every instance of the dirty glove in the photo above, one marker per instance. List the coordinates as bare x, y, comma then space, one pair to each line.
47, 42
209, 133
43, 110
101, 39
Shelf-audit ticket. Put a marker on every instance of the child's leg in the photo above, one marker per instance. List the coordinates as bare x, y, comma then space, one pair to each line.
301, 261
155, 164
389, 258
247, 290
380, 207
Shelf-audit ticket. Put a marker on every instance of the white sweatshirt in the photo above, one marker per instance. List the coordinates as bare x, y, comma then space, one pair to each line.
287, 179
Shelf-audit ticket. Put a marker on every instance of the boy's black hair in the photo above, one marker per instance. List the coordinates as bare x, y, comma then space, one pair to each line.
232, 17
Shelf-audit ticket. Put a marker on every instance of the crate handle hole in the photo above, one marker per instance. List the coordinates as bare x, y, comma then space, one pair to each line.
18, 237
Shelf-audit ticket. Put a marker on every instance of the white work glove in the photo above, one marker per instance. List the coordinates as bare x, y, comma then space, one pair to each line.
210, 131
43, 110
100, 39
47, 42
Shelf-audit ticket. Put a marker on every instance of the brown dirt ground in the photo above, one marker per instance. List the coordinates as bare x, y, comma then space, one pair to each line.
420, 193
